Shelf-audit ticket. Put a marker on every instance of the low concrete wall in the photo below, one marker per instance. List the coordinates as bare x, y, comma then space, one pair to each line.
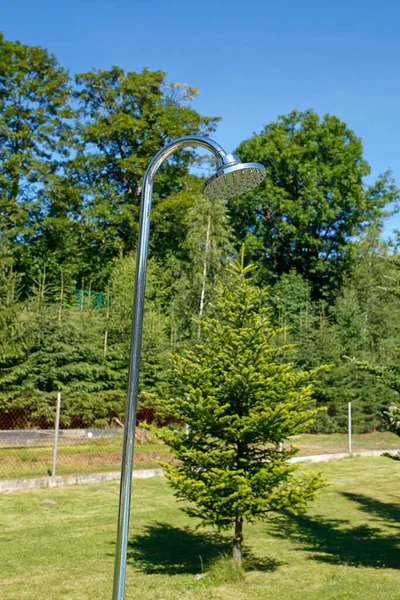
327, 457
61, 480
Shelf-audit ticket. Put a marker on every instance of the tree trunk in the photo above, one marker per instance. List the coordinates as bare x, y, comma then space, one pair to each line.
203, 287
237, 542
106, 331
105, 342
60, 307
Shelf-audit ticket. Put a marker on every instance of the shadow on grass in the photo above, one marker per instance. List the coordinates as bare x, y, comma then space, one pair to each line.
381, 511
163, 549
335, 541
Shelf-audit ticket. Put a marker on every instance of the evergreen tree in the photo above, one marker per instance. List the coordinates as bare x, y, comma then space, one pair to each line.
389, 375
358, 324
14, 345
240, 399
154, 377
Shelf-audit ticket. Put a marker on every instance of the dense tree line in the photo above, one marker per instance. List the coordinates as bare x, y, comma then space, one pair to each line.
73, 152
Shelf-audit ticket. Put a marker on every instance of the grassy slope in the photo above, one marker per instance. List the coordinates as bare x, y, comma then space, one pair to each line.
59, 543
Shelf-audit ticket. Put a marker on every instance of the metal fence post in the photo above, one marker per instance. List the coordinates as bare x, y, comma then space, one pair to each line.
57, 427
349, 418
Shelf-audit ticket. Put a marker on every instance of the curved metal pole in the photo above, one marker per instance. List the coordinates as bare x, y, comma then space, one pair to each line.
136, 343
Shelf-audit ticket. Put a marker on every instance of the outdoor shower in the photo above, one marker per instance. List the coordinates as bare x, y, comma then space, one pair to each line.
231, 179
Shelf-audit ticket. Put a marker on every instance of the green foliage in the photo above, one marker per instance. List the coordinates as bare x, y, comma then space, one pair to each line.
388, 374
392, 415
72, 159
155, 345
125, 119
83, 351
240, 398
313, 201
359, 324
35, 133
13, 344
195, 272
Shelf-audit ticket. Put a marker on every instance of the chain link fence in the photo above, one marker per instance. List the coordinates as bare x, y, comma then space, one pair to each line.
27, 451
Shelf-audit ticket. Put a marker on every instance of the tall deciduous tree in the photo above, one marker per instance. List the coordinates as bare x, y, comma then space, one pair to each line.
34, 134
313, 202
240, 399
125, 119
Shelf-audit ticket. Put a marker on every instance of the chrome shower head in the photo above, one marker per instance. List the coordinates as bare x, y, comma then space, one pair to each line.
233, 178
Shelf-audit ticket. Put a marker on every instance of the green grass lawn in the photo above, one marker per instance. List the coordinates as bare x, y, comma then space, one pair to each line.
105, 455
331, 443
59, 543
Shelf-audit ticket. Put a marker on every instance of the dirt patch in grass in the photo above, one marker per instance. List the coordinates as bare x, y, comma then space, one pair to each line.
9, 460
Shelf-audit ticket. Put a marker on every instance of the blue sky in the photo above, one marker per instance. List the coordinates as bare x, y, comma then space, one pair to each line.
251, 61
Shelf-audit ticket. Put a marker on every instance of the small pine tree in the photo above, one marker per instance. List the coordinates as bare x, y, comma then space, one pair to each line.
154, 383
240, 400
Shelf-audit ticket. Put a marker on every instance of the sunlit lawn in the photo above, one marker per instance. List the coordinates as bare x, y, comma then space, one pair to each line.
100, 455
59, 543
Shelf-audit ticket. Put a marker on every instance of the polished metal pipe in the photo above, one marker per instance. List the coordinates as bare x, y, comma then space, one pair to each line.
136, 343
